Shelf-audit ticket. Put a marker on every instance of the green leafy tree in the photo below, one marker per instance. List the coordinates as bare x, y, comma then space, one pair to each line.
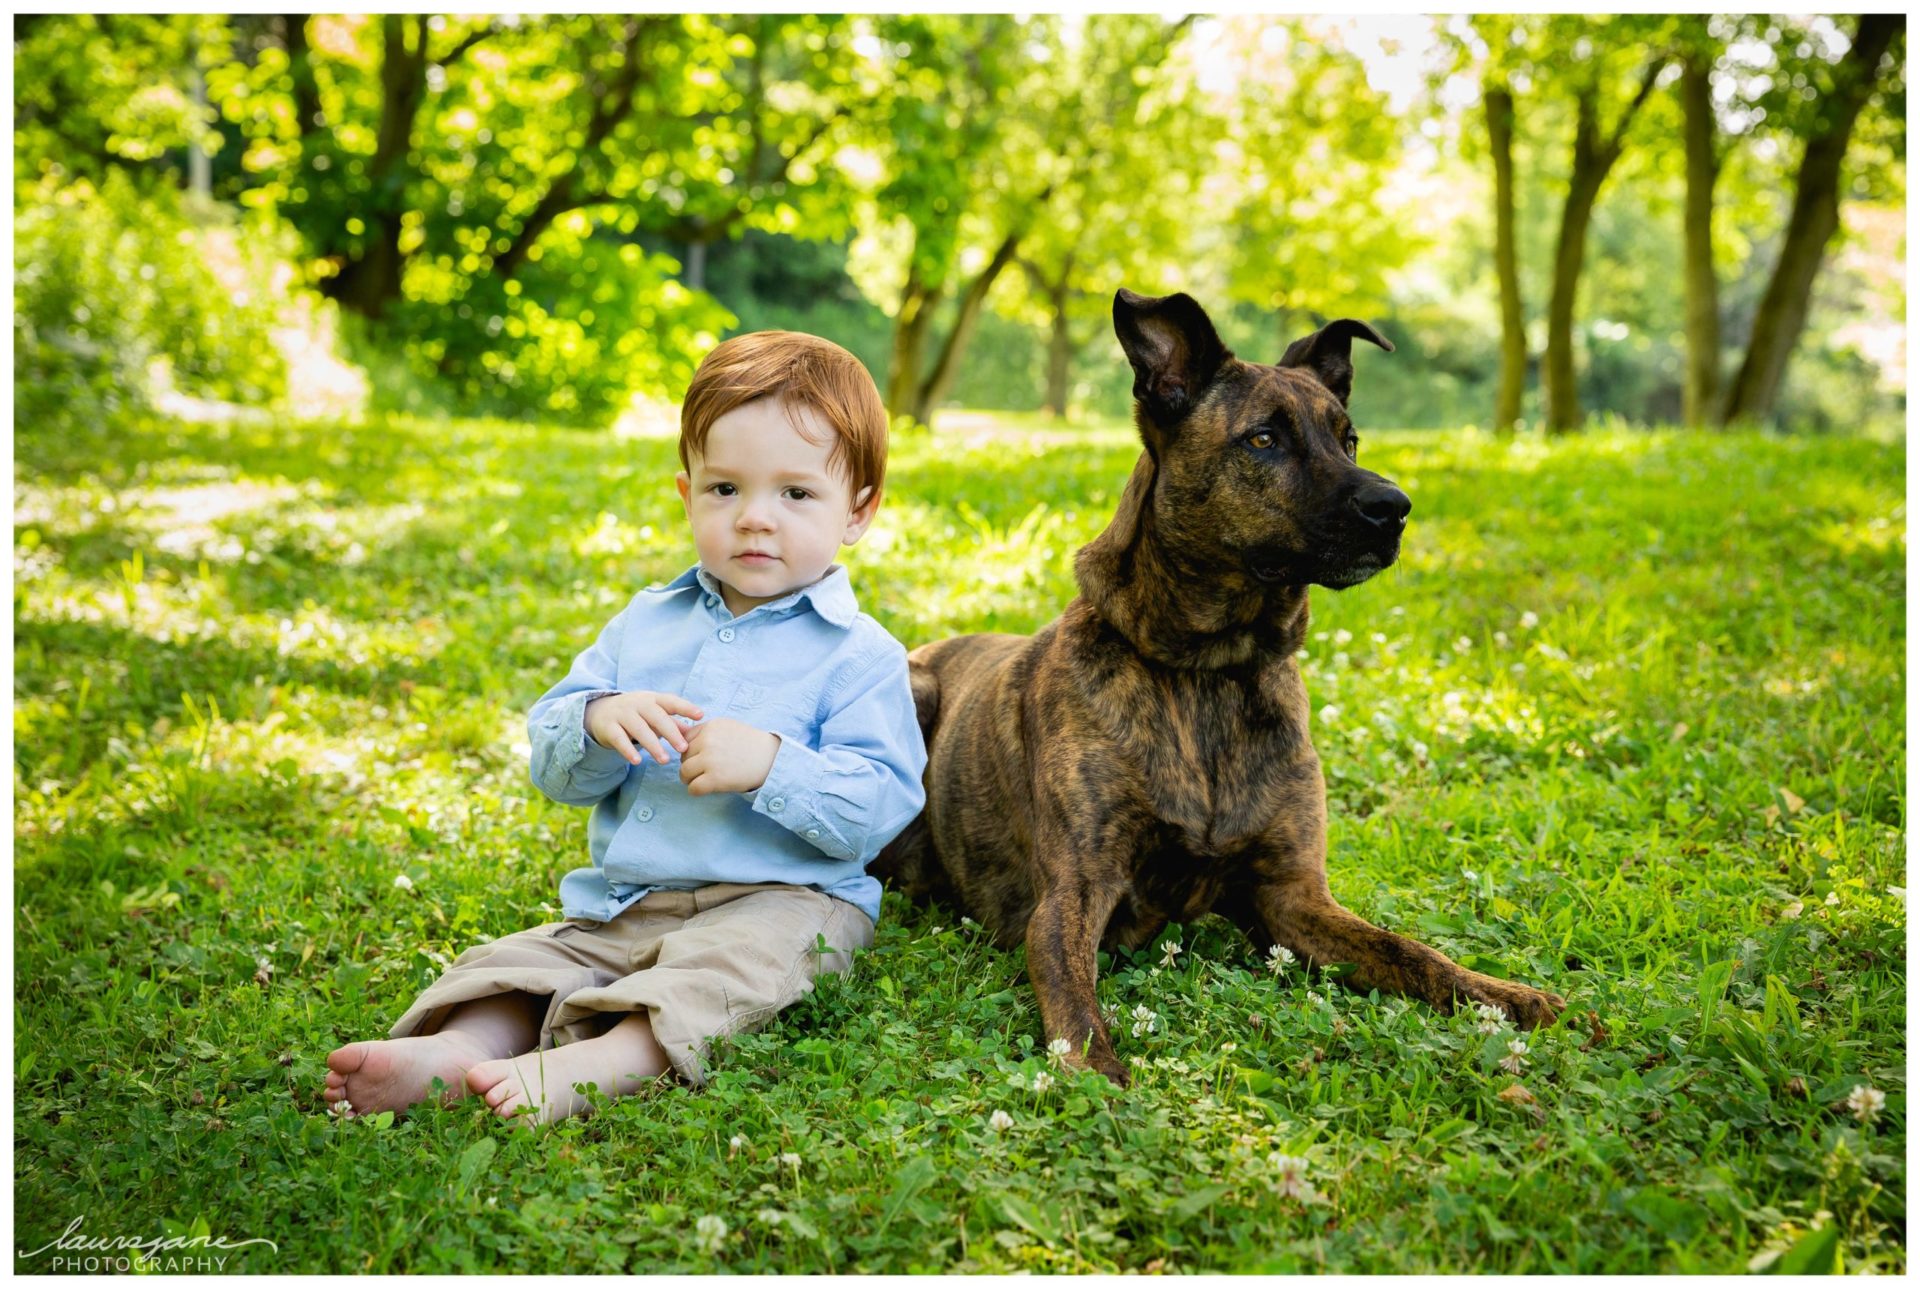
964, 184
1130, 145
1309, 149
1873, 66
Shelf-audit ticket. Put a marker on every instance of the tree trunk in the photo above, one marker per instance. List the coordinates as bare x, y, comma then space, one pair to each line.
199, 164
1593, 157
1513, 327
306, 91
947, 365
368, 284
1563, 395
693, 267
1701, 393
1815, 217
1059, 348
918, 300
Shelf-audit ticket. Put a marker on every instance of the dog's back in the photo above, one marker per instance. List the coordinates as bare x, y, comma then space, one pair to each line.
948, 677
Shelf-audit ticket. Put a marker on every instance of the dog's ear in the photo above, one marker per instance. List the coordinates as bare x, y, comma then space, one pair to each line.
1328, 353
1173, 347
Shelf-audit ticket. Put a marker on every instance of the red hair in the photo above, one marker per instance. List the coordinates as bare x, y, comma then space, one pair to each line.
805, 370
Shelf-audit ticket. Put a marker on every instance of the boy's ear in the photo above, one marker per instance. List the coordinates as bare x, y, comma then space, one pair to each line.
684, 483
861, 516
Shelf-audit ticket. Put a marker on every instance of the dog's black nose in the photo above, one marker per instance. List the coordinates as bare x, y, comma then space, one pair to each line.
1382, 505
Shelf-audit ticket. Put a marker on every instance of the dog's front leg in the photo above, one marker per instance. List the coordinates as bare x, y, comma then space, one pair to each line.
1302, 915
1063, 940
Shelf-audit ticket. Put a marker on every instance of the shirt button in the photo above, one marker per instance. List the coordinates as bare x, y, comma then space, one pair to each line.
777, 803
812, 834
643, 814
726, 635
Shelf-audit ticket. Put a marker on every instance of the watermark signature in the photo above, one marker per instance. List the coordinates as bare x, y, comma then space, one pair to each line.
76, 1251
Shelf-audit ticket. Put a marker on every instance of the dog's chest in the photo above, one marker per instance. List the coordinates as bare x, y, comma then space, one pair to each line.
1214, 758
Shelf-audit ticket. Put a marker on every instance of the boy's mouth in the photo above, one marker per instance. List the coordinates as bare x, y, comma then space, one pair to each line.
756, 557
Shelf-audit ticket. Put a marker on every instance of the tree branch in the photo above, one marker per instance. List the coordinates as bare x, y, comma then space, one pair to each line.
1617, 140
468, 42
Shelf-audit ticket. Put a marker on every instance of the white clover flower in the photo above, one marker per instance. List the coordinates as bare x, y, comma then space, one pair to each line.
1279, 958
1500, 638
1792, 910
402, 882
1329, 713
1866, 1102
1343, 636
1229, 1048
1378, 637
1419, 751
1516, 1058
1469, 874
1833, 898
1316, 999
709, 1233
1057, 1051
790, 1159
1144, 1018
1529, 620
1492, 1018
1170, 951
1291, 1176
1463, 644
1000, 1121
1042, 1081
735, 1144
1110, 1013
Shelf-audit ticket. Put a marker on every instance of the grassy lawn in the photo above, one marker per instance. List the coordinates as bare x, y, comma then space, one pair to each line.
1627, 722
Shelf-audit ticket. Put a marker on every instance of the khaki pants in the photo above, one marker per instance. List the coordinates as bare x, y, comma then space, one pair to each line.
718, 960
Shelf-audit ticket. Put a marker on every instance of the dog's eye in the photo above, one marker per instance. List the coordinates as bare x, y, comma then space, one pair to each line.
1262, 439
1353, 445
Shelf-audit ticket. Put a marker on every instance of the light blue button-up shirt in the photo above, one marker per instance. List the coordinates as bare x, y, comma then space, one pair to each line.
809, 667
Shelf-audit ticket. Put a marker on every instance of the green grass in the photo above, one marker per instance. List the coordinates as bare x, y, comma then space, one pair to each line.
1628, 700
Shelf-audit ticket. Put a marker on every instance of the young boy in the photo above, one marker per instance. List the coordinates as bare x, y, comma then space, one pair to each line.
781, 753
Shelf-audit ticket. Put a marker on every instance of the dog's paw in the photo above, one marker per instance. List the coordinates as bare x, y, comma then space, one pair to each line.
1526, 1007
1110, 1066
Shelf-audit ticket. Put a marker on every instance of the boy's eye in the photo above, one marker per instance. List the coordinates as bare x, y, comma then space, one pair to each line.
724, 489
798, 494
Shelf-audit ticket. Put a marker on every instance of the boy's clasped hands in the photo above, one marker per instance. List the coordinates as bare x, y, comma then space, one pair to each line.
720, 755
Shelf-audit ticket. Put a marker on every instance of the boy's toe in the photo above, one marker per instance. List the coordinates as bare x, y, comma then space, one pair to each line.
484, 1077
347, 1060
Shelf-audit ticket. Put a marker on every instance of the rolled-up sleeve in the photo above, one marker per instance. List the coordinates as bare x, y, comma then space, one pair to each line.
567, 764
862, 787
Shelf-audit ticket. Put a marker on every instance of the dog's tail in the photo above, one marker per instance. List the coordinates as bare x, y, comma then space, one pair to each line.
926, 696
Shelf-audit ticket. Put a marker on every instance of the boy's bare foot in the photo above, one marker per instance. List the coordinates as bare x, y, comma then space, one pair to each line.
393, 1073
538, 1087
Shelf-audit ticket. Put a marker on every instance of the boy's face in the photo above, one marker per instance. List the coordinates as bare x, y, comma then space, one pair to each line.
768, 511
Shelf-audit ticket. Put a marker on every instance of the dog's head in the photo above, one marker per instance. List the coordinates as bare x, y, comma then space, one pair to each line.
1256, 465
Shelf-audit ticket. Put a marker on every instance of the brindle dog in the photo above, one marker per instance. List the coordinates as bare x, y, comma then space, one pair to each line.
1145, 757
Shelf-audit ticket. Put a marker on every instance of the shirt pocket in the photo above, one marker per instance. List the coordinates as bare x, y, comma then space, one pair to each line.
784, 710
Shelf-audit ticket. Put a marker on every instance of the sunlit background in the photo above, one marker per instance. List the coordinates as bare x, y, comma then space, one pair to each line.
347, 357
552, 218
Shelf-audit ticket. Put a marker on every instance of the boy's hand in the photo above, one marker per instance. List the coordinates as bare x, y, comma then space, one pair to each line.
618, 721
726, 755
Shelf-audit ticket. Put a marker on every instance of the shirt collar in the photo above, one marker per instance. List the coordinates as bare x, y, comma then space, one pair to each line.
831, 596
